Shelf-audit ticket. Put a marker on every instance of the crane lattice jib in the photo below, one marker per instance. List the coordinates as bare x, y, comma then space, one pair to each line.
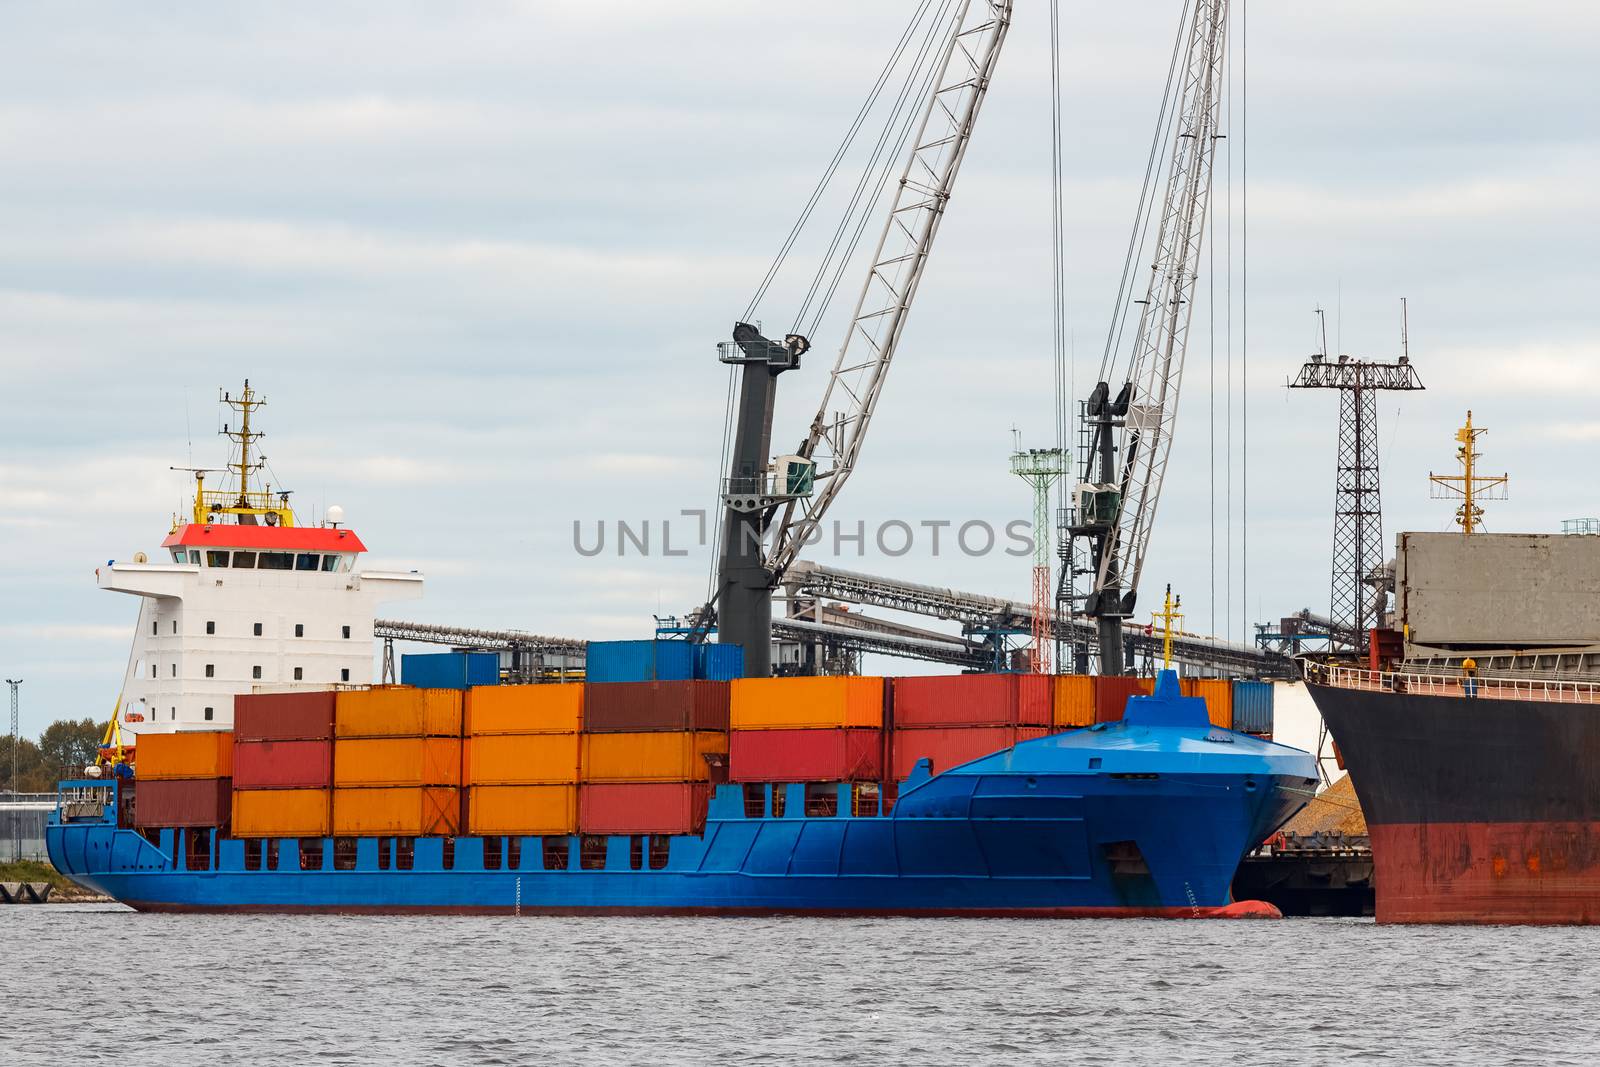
1156, 368
945, 129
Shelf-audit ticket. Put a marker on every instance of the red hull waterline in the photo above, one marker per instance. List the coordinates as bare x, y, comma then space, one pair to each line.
1541, 873
1240, 909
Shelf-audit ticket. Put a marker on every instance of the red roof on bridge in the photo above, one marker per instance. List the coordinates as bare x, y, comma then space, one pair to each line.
281, 538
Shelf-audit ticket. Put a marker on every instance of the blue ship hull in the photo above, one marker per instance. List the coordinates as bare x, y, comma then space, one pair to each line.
1149, 816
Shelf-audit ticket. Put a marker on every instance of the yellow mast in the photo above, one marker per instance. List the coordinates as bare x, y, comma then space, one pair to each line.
250, 505
1168, 614
1469, 485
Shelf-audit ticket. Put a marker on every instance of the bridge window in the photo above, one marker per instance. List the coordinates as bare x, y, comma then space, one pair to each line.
405, 853
514, 854
330, 562
211, 670
252, 854
491, 853
636, 852
275, 561
216, 559
246, 560
822, 800
344, 853
299, 629
180, 556
780, 796
755, 800
305, 561
592, 852
211, 626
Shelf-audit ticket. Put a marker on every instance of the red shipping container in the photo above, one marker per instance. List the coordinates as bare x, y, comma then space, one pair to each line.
643, 807
1111, 693
973, 700
283, 764
952, 746
283, 716
175, 802
650, 707
852, 754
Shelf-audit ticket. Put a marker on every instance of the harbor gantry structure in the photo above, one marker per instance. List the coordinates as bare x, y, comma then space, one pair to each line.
1041, 468
1469, 486
1360, 585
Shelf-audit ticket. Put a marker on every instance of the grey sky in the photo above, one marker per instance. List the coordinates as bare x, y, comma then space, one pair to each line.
477, 257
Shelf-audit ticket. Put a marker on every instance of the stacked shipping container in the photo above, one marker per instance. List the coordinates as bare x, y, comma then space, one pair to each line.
397, 762
954, 720
522, 758
645, 755
1218, 695
282, 764
806, 730
184, 779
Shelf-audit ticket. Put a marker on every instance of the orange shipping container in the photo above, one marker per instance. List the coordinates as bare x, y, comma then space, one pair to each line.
1111, 693
651, 757
1074, 701
396, 761
524, 709
806, 703
408, 812
1218, 695
397, 711
280, 812
186, 754
522, 759
523, 809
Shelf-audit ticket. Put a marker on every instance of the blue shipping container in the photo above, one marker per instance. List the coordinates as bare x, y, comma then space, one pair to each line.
718, 663
1252, 707
640, 661
450, 670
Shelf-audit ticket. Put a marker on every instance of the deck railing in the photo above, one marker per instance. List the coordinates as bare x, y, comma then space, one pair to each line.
1456, 684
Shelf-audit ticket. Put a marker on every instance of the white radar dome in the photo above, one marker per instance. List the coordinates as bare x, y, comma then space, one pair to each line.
334, 515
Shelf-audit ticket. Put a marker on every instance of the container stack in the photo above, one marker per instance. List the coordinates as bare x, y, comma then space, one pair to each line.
806, 730
645, 755
184, 779
1111, 693
522, 756
641, 661
956, 719
1218, 695
282, 764
397, 762
1074, 705
1252, 708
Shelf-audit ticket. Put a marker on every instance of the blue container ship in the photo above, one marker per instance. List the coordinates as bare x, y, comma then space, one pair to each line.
1148, 816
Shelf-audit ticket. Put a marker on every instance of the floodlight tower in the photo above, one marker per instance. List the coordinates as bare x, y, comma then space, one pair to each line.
16, 739
1041, 468
1358, 550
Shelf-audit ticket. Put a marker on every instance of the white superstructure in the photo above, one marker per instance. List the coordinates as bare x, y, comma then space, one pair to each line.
246, 600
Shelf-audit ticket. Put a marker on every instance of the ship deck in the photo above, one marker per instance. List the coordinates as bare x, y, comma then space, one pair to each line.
1457, 685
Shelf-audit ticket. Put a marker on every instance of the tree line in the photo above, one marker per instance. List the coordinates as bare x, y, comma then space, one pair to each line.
62, 751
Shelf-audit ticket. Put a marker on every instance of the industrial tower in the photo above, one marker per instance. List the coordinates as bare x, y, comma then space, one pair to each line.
1468, 486
1360, 587
1041, 468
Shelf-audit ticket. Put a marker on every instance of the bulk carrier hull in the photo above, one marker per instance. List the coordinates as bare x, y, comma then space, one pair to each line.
1124, 819
1481, 808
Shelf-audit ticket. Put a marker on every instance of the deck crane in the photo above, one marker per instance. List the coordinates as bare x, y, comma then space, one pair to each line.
772, 506
1129, 434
